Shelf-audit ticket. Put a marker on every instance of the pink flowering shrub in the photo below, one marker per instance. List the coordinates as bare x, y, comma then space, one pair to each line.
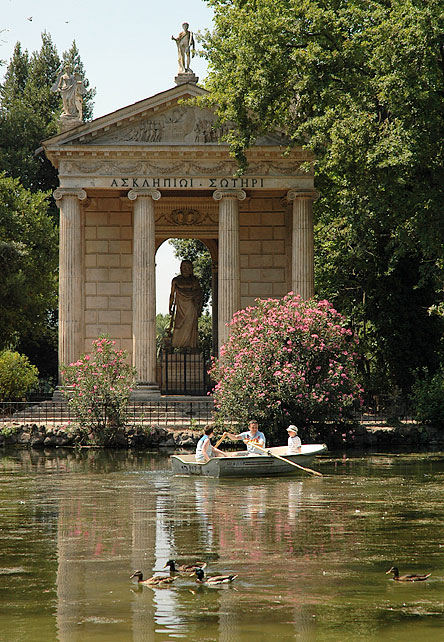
98, 387
287, 361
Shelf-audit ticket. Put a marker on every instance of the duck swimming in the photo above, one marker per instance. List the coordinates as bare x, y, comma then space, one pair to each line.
184, 568
413, 577
214, 579
156, 580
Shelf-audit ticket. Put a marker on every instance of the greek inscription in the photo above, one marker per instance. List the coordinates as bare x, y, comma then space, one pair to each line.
160, 182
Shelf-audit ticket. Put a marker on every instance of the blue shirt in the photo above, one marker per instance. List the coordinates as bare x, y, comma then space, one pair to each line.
259, 438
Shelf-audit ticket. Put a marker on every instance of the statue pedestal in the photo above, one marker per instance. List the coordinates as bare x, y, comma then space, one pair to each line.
68, 122
186, 76
183, 373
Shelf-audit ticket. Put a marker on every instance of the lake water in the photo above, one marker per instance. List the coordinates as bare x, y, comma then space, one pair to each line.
311, 553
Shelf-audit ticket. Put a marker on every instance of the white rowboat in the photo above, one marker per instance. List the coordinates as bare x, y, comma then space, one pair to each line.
247, 465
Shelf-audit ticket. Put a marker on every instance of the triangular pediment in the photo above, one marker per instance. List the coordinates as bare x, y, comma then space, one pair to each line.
163, 119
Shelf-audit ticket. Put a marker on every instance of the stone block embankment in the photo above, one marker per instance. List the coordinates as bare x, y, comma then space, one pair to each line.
39, 436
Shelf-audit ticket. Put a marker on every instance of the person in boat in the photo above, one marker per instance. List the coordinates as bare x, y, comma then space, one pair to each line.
204, 450
294, 442
253, 434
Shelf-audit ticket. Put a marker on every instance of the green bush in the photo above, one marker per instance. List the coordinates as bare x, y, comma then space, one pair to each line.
428, 398
17, 375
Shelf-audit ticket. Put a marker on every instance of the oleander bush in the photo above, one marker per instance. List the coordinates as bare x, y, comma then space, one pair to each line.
98, 387
287, 361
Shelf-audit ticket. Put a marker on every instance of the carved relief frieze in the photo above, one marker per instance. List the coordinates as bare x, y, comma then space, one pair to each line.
182, 168
225, 168
191, 213
185, 217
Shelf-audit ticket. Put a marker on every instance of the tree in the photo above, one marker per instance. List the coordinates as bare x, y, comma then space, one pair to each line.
28, 264
29, 111
362, 85
287, 361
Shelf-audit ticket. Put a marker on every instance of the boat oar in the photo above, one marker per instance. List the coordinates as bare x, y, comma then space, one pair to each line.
287, 461
219, 441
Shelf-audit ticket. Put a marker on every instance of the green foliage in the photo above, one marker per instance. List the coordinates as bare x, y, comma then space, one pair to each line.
362, 85
162, 329
28, 264
428, 398
7, 430
17, 375
98, 387
29, 111
287, 361
205, 331
195, 251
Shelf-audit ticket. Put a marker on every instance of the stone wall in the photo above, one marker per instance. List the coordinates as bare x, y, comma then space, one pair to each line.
108, 271
264, 249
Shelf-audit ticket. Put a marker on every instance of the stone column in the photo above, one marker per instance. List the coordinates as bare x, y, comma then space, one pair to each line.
71, 280
144, 291
302, 257
229, 273
214, 311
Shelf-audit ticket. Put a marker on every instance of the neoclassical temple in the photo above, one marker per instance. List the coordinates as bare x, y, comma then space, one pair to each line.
156, 170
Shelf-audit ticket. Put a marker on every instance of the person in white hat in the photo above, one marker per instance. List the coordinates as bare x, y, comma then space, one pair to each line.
294, 442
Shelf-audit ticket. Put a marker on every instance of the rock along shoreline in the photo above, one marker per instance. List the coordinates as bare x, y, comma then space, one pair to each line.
157, 437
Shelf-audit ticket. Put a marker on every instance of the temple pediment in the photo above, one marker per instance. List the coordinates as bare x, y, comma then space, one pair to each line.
163, 119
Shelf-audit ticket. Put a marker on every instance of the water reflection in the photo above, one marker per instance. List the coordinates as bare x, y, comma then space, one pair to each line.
311, 553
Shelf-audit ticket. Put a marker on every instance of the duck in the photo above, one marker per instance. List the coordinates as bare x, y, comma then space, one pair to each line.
184, 568
214, 579
156, 580
412, 577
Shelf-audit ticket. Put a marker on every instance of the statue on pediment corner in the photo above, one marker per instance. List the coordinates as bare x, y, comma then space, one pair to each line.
72, 90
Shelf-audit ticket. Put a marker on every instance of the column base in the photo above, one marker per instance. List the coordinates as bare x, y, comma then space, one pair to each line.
145, 392
58, 395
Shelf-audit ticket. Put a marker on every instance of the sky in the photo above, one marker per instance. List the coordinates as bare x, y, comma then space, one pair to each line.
127, 53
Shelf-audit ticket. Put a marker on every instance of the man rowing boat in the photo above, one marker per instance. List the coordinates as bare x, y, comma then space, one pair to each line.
250, 437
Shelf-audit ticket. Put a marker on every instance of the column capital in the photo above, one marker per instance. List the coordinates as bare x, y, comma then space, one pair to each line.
133, 194
219, 194
311, 194
60, 192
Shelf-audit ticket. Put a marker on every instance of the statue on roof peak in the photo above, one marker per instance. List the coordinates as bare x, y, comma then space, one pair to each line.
185, 49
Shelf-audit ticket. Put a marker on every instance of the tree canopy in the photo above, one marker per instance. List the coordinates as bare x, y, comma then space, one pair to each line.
29, 111
361, 83
28, 264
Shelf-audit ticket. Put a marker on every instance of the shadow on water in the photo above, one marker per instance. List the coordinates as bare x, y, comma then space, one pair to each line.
311, 553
